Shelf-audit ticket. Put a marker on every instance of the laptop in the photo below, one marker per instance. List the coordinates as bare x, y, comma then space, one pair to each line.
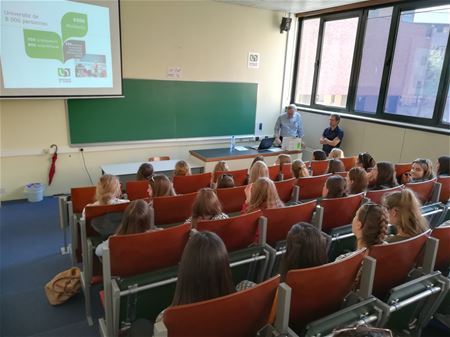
265, 144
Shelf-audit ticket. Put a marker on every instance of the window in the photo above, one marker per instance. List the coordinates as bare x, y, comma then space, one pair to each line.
446, 116
418, 59
373, 56
336, 62
307, 59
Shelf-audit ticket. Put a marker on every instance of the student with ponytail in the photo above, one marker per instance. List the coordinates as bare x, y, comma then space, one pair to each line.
404, 213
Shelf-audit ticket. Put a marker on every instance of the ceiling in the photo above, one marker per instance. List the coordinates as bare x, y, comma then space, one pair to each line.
291, 6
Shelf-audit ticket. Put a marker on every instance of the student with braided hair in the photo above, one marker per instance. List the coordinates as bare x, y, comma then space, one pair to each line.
404, 213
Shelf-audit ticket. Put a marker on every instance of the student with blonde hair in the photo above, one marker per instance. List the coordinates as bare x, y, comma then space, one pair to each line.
404, 214
182, 168
221, 166
357, 180
206, 207
257, 170
160, 185
299, 169
336, 153
263, 194
421, 170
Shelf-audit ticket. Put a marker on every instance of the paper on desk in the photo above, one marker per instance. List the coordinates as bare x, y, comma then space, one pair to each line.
240, 148
275, 149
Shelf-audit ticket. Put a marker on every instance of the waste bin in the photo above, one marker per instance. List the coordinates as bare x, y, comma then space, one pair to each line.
34, 192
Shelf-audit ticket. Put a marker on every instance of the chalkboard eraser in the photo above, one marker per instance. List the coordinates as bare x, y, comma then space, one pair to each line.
260, 126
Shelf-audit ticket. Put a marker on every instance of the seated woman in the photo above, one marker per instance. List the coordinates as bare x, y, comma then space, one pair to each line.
306, 247
257, 170
137, 218
336, 153
160, 185
357, 180
182, 168
281, 160
335, 187
421, 170
206, 207
261, 195
221, 166
335, 165
365, 161
225, 181
443, 166
404, 214
299, 169
383, 176
319, 155
144, 172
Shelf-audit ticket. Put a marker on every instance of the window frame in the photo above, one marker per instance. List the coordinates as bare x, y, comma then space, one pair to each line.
435, 123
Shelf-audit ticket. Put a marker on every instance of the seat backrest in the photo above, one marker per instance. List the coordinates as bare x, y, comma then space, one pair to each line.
273, 172
377, 196
394, 262
443, 255
280, 220
311, 187
237, 232
136, 189
92, 212
159, 158
192, 183
401, 168
319, 291
239, 176
173, 209
81, 196
240, 314
286, 170
145, 252
423, 189
319, 167
339, 211
231, 198
445, 189
348, 162
285, 189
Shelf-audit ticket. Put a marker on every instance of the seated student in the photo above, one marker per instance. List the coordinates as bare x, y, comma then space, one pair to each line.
281, 160
335, 165
443, 166
257, 158
137, 218
306, 247
299, 169
107, 192
335, 187
370, 226
404, 214
182, 168
160, 185
204, 271
421, 170
365, 161
336, 153
206, 207
225, 181
262, 194
383, 176
357, 181
221, 166
259, 170
144, 172
319, 155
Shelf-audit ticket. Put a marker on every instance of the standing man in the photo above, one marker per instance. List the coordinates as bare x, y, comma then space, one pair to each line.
333, 135
288, 124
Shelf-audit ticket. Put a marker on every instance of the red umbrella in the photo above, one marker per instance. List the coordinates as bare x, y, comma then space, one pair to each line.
51, 173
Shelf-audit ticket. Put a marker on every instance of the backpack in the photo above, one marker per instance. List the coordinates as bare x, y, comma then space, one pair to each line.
63, 286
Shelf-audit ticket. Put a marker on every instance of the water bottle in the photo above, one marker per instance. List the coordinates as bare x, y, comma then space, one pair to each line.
232, 143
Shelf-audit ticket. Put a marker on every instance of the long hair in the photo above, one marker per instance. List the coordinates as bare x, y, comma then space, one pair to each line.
386, 175
426, 166
358, 180
206, 205
444, 165
144, 172
336, 186
335, 165
264, 195
305, 247
411, 222
204, 271
299, 169
221, 166
374, 220
366, 161
136, 218
258, 170
182, 168
283, 159
108, 188
257, 158
161, 186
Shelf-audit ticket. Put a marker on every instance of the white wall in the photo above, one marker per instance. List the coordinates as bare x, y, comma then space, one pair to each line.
210, 41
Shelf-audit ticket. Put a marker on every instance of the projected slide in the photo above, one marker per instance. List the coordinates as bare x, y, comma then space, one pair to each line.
55, 44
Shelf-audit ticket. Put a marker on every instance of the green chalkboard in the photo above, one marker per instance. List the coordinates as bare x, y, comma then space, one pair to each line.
154, 109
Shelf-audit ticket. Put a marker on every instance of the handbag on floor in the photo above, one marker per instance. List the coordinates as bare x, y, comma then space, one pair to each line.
63, 286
